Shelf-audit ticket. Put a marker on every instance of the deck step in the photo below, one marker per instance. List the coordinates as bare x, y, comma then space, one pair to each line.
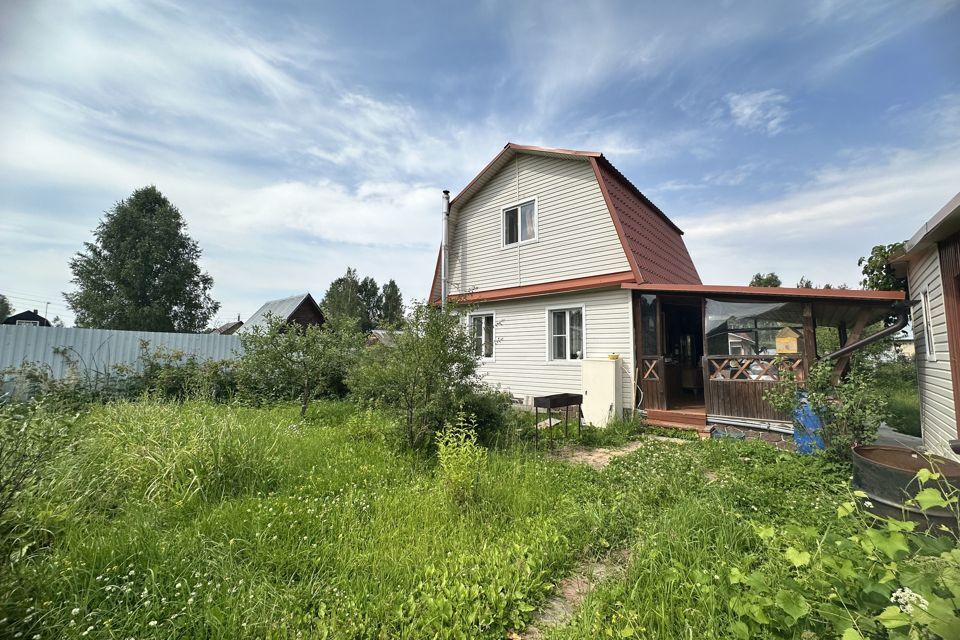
687, 418
702, 430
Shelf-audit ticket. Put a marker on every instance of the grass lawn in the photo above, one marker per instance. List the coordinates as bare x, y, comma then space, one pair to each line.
200, 520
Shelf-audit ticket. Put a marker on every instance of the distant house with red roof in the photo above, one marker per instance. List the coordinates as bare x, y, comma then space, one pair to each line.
578, 283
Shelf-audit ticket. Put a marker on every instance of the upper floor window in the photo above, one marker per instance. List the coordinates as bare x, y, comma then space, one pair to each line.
28, 323
481, 331
520, 223
565, 333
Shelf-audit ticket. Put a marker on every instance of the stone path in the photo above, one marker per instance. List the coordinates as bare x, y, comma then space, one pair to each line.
571, 591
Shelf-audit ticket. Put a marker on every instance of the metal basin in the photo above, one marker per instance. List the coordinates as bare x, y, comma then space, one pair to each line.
888, 476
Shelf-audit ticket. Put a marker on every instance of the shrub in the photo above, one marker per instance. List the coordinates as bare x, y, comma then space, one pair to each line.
490, 410
850, 411
286, 362
461, 459
426, 375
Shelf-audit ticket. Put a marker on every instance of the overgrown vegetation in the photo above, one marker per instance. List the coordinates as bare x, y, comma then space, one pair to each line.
427, 375
196, 519
897, 381
290, 361
850, 410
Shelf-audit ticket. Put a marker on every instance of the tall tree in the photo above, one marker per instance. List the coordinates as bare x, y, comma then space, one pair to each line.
765, 280
392, 305
372, 301
141, 271
342, 299
878, 274
7, 310
806, 283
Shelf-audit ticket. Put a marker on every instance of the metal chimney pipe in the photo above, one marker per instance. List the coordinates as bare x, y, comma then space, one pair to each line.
443, 249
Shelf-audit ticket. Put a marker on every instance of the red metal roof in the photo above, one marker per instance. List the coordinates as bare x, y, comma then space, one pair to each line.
860, 295
653, 243
557, 286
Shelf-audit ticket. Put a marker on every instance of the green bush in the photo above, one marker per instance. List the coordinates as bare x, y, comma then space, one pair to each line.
425, 376
292, 362
490, 411
850, 410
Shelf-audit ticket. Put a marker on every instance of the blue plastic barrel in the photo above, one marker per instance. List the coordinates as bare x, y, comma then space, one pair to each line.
807, 429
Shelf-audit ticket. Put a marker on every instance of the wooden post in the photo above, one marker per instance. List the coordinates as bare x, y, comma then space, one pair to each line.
855, 332
809, 339
704, 362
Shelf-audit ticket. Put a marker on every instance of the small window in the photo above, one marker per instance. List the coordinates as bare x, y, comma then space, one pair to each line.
481, 330
928, 343
28, 323
520, 223
565, 327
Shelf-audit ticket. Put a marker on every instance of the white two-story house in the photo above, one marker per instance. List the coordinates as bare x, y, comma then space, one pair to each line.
576, 279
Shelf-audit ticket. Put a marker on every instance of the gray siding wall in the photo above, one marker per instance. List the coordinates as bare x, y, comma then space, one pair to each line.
98, 350
575, 236
520, 364
938, 414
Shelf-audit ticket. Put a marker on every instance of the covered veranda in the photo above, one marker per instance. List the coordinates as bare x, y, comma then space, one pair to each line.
707, 354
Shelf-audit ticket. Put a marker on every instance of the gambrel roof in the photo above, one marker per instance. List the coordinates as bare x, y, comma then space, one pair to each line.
652, 243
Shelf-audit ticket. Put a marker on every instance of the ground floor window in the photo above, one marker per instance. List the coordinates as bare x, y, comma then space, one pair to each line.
481, 330
565, 333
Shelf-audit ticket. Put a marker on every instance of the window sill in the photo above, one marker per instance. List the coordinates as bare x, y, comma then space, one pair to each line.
518, 244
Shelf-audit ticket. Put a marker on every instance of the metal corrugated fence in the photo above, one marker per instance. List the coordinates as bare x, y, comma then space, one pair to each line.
99, 350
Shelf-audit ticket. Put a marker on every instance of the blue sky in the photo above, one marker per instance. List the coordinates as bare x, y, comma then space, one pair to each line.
300, 138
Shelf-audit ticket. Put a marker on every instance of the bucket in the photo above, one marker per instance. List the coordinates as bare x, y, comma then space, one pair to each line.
807, 429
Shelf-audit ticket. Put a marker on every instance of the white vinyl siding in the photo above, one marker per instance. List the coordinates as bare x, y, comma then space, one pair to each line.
521, 366
938, 414
575, 236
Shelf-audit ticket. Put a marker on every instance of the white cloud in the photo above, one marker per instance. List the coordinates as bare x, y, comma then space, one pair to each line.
763, 111
822, 226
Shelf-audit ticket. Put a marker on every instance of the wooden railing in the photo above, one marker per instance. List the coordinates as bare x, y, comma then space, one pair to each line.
753, 368
649, 369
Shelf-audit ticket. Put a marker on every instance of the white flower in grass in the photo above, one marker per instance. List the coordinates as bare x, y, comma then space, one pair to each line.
75, 611
906, 599
152, 623
868, 504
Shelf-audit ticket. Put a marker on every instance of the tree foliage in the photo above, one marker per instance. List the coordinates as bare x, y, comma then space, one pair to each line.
765, 280
290, 361
426, 375
141, 272
805, 283
392, 314
878, 273
7, 310
363, 302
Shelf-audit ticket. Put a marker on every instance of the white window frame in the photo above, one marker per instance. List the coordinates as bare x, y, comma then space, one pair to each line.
536, 223
493, 337
929, 343
548, 313
28, 323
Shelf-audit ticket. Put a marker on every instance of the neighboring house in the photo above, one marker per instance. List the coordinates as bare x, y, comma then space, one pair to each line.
381, 336
300, 309
931, 262
28, 319
580, 284
229, 328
